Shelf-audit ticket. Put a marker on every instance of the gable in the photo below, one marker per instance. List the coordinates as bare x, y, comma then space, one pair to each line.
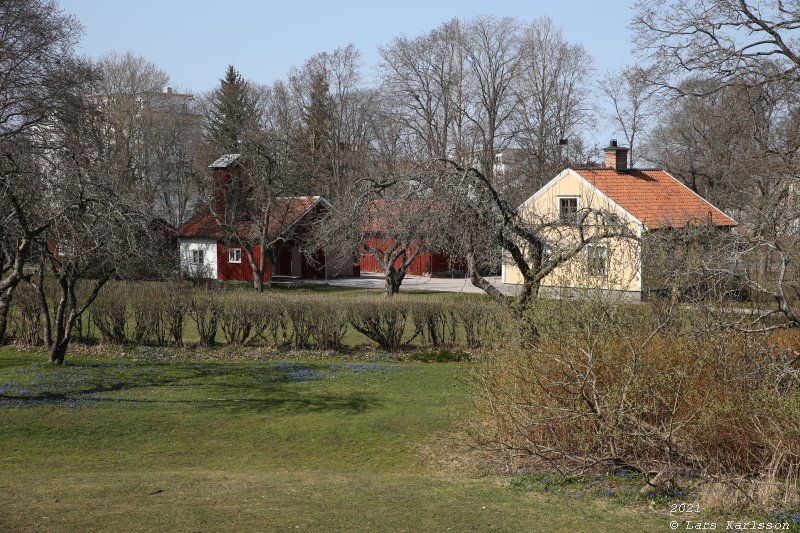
570, 184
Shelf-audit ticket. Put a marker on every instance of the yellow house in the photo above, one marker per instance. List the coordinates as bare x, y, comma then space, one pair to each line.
634, 200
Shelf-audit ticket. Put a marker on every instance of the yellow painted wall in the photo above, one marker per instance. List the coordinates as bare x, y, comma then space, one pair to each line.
623, 273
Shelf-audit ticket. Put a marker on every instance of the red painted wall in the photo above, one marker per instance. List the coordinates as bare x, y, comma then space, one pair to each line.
425, 263
237, 271
242, 272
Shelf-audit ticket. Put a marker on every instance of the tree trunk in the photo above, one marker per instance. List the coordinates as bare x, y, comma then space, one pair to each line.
258, 281
5, 306
57, 353
392, 285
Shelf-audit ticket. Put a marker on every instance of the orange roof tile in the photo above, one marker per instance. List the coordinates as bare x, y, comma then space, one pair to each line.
655, 197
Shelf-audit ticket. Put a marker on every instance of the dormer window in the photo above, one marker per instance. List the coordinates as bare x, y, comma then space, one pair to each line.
567, 208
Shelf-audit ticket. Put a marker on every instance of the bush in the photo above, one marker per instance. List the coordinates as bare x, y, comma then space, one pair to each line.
435, 322
155, 313
483, 321
382, 320
28, 323
204, 310
269, 319
599, 389
176, 307
237, 318
148, 304
301, 322
109, 312
329, 321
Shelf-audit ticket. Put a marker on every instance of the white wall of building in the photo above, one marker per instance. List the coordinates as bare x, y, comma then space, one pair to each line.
208, 269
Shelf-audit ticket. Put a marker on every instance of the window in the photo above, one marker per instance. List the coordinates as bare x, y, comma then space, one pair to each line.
596, 259
234, 255
198, 257
567, 209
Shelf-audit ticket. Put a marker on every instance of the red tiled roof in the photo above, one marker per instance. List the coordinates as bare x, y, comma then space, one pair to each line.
285, 212
383, 214
655, 198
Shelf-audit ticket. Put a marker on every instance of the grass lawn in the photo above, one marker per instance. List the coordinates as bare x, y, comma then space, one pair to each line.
146, 445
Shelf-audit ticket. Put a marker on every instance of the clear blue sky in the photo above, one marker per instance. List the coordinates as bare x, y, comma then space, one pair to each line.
194, 41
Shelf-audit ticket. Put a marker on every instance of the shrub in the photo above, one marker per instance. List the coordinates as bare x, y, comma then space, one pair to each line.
269, 319
237, 318
329, 321
204, 310
435, 322
109, 312
148, 304
483, 321
601, 389
176, 306
28, 323
382, 320
300, 321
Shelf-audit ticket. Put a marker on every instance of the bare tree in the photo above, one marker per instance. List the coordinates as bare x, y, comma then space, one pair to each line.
734, 67
492, 57
332, 143
40, 73
425, 79
127, 85
97, 223
632, 99
729, 40
552, 95
37, 44
469, 92
258, 206
392, 219
155, 132
536, 243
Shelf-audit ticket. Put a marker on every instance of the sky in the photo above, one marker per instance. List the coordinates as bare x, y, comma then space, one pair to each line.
194, 41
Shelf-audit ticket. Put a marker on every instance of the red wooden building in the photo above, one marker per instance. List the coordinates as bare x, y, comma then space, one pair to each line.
427, 263
208, 250
386, 222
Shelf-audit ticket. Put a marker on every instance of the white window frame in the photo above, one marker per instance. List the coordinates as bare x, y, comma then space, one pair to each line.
563, 218
198, 256
234, 255
590, 251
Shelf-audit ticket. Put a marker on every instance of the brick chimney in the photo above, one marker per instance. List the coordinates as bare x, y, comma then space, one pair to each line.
616, 156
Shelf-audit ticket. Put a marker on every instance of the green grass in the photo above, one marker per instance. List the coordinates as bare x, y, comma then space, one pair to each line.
146, 445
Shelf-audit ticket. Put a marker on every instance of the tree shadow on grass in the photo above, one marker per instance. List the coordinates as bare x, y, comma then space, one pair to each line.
247, 387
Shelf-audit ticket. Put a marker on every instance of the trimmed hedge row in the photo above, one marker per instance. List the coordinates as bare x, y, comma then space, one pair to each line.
159, 314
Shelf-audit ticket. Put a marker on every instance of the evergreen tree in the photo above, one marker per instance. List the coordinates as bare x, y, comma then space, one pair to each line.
231, 113
315, 150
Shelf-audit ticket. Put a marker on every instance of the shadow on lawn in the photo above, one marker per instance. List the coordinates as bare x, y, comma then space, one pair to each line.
243, 387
